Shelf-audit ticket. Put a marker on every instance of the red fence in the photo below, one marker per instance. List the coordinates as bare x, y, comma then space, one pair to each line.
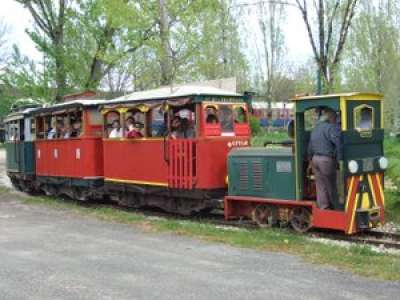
182, 163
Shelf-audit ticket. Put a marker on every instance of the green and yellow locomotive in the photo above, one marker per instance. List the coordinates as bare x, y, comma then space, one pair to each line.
273, 184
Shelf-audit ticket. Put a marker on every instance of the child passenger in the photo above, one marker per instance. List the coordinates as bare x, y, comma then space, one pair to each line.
116, 131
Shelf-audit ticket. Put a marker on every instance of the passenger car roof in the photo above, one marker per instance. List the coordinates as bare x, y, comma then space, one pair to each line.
168, 92
71, 104
18, 115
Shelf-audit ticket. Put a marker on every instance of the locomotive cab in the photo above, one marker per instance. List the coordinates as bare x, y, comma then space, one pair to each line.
278, 182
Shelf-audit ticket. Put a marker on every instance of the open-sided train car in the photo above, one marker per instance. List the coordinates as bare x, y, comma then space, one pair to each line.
184, 172
272, 184
20, 149
69, 150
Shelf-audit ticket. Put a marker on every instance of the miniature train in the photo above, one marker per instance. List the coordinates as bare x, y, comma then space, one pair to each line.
83, 149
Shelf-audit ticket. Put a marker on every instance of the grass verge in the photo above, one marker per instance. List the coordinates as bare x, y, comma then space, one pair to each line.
358, 259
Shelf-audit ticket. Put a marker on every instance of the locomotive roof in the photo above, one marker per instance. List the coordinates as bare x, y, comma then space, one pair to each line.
71, 104
339, 95
170, 93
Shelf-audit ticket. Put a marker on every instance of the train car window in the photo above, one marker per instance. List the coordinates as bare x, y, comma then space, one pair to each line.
112, 124
311, 118
226, 118
135, 121
183, 123
240, 115
363, 117
41, 128
13, 131
75, 125
159, 119
211, 114
29, 131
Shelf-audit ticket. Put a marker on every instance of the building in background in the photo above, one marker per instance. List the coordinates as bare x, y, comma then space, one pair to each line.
279, 115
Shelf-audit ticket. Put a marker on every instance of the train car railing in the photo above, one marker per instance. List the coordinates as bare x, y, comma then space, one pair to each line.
182, 163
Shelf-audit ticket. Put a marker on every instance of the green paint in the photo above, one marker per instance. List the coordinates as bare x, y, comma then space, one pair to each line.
20, 157
262, 172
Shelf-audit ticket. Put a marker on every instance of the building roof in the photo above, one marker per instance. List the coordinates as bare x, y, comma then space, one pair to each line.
346, 95
169, 92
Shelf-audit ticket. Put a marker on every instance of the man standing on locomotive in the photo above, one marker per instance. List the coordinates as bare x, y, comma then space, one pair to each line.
324, 151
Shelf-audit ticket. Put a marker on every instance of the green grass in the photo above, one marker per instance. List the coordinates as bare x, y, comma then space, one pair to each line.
358, 259
275, 136
392, 197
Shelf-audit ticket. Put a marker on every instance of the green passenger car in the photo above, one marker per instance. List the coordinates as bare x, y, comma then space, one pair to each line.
20, 149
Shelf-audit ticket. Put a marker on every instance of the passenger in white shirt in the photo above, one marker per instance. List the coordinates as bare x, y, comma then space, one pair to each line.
116, 131
56, 132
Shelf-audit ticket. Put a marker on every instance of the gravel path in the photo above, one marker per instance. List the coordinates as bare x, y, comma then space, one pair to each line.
55, 254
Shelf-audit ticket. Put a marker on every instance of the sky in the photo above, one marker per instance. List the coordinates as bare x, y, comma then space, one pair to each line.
19, 18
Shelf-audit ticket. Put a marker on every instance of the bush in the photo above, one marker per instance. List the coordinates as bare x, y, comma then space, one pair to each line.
255, 126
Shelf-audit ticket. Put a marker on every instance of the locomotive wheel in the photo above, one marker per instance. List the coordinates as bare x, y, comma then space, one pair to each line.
265, 215
300, 219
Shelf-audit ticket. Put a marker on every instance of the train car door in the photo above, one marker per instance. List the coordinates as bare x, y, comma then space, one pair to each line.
180, 148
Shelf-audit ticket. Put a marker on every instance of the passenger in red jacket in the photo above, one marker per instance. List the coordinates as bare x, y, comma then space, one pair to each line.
133, 129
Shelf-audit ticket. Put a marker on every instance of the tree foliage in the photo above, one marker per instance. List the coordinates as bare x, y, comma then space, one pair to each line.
124, 44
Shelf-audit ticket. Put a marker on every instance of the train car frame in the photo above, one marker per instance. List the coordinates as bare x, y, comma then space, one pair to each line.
182, 175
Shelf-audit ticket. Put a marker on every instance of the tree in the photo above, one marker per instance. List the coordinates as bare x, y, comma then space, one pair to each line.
4, 51
329, 36
372, 58
110, 31
48, 34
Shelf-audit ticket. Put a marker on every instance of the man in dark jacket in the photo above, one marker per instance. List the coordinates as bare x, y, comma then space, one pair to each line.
324, 151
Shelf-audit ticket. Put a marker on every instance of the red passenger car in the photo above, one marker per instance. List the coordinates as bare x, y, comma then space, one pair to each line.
168, 147
69, 150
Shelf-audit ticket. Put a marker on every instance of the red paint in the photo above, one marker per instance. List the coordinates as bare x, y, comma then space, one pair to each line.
182, 163
212, 155
135, 160
375, 178
212, 129
350, 206
242, 129
329, 219
75, 158
193, 163
241, 206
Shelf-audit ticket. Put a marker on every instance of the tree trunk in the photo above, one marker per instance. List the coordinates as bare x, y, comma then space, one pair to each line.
166, 53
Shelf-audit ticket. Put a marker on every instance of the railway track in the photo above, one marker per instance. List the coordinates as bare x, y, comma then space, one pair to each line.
387, 240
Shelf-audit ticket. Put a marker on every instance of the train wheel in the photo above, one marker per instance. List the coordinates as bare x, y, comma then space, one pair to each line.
265, 215
300, 219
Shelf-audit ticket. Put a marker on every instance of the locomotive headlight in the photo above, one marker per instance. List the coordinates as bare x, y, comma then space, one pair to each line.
383, 163
353, 166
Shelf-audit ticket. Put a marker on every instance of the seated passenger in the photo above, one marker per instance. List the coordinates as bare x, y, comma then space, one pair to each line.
175, 127
66, 132
116, 131
76, 129
182, 129
56, 132
212, 119
133, 129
